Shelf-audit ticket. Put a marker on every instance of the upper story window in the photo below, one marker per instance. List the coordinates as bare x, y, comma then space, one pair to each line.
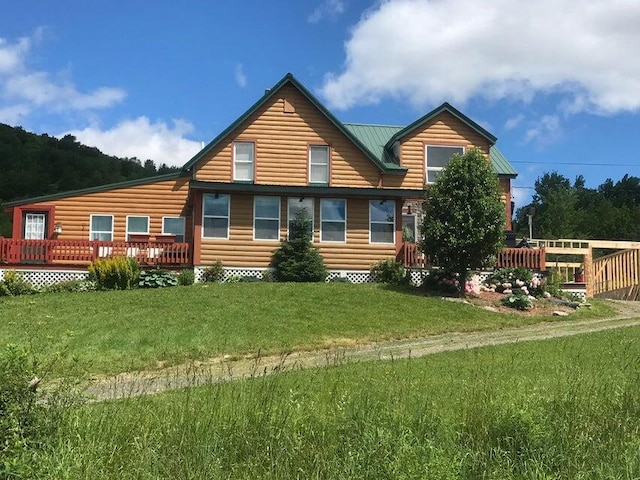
382, 221
437, 157
300, 207
333, 220
319, 164
101, 227
266, 218
137, 225
215, 216
243, 161
174, 226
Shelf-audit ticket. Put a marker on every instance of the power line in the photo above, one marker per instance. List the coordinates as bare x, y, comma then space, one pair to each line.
582, 164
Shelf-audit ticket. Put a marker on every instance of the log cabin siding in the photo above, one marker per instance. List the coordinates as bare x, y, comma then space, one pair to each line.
159, 199
282, 141
241, 250
445, 129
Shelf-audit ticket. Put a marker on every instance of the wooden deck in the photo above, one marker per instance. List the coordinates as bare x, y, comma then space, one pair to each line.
16, 252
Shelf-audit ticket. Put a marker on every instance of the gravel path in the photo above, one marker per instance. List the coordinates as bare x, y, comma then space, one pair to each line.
221, 369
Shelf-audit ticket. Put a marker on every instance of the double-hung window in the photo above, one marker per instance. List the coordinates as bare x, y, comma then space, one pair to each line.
174, 226
382, 221
137, 225
101, 227
215, 216
303, 208
243, 161
319, 164
333, 220
266, 218
437, 157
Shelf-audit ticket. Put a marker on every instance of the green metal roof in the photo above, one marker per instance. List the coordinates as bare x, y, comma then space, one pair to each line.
500, 164
100, 188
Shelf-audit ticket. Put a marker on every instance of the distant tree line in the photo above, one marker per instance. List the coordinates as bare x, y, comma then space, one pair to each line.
561, 209
32, 165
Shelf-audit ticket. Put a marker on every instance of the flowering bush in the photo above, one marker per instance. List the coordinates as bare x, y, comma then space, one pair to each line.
473, 285
511, 280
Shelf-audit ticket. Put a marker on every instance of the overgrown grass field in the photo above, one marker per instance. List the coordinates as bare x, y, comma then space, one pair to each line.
115, 331
558, 409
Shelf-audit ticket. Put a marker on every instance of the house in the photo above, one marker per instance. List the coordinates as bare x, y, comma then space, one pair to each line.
360, 185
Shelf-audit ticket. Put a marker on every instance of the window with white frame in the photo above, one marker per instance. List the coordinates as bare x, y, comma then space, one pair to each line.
266, 218
215, 216
35, 226
101, 227
437, 157
137, 225
300, 207
319, 164
409, 228
243, 161
333, 220
174, 226
382, 221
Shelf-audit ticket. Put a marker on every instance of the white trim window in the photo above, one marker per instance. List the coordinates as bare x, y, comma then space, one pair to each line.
300, 206
409, 227
382, 221
436, 157
174, 226
101, 227
215, 216
243, 161
137, 225
266, 218
319, 164
333, 220
34, 226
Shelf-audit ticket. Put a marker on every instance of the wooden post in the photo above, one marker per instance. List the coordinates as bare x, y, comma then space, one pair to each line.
589, 276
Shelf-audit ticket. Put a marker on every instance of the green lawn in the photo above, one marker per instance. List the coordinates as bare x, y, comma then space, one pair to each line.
115, 331
559, 409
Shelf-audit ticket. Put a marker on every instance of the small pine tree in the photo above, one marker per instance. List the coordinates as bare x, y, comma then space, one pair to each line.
297, 260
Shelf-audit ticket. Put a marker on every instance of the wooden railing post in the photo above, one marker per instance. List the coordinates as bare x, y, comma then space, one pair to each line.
589, 276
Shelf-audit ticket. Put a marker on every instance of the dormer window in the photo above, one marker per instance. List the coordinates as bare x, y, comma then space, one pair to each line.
437, 157
243, 161
319, 164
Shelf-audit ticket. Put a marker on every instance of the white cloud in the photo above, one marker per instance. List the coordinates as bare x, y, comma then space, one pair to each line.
23, 90
327, 9
143, 139
241, 78
452, 50
545, 131
14, 114
513, 122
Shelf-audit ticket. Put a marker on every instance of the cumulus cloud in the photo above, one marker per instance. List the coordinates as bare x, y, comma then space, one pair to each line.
142, 139
545, 131
452, 50
23, 90
327, 9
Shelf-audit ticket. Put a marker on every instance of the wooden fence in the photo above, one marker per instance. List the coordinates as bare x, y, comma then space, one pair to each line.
618, 273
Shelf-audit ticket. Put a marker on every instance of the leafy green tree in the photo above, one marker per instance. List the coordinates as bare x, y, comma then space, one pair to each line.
297, 260
464, 217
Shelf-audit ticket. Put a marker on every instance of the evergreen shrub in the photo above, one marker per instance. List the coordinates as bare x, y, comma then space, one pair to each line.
115, 273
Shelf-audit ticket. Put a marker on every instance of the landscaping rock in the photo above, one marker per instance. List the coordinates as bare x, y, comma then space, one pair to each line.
560, 313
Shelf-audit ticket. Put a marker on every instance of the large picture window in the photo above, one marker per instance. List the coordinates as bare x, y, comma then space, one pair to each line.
174, 226
303, 207
137, 225
333, 220
319, 164
266, 218
243, 161
215, 216
101, 227
437, 157
382, 221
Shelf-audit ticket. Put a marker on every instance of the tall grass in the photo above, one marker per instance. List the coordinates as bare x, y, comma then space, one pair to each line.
567, 408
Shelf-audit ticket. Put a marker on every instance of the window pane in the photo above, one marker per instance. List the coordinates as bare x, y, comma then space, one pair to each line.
440, 156
382, 211
244, 151
101, 223
244, 171
267, 229
432, 175
319, 164
382, 233
409, 228
319, 174
218, 207
319, 155
138, 224
267, 207
333, 232
215, 227
174, 226
101, 236
333, 210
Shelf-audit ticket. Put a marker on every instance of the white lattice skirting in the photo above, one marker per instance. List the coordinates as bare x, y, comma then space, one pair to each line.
42, 278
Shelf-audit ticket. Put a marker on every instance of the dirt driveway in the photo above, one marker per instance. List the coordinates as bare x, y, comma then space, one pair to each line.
220, 369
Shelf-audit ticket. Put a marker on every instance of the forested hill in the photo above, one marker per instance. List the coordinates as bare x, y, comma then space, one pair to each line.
32, 165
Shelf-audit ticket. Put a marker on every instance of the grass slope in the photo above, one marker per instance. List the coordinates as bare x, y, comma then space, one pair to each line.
109, 332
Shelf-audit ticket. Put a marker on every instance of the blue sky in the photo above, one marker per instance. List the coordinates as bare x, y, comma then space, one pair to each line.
558, 85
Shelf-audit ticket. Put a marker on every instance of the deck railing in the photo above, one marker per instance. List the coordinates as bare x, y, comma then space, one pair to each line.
618, 271
83, 252
532, 258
